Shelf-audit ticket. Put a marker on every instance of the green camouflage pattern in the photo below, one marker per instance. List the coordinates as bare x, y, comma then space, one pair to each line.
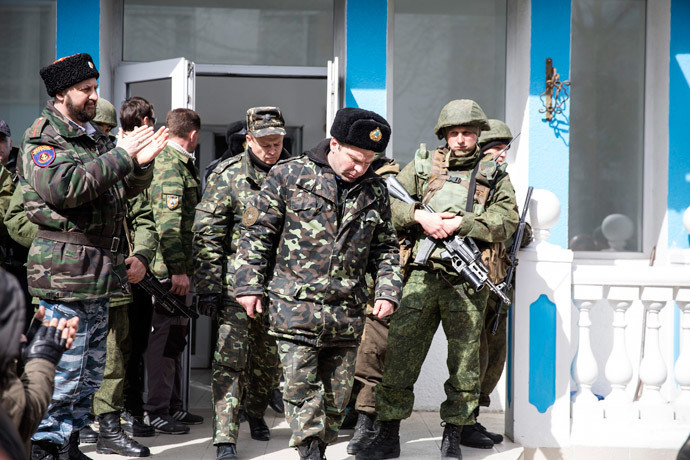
429, 299
438, 296
110, 395
83, 190
18, 225
317, 387
246, 357
6, 190
174, 193
318, 252
495, 221
245, 363
460, 112
498, 131
493, 349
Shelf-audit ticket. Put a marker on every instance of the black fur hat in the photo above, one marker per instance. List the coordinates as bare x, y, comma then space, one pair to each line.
68, 71
361, 128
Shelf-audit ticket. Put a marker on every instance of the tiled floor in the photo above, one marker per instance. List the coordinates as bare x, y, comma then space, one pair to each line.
420, 437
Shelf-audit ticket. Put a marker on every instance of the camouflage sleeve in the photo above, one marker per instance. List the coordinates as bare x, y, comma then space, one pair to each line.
499, 220
19, 227
384, 254
212, 222
256, 246
6, 190
403, 213
52, 168
142, 227
138, 180
167, 182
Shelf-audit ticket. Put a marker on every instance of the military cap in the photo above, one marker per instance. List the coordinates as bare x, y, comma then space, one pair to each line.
264, 121
68, 71
361, 128
105, 113
498, 133
5, 128
461, 112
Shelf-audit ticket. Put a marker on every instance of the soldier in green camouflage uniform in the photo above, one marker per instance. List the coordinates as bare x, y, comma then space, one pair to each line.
246, 356
108, 401
174, 193
321, 221
75, 187
6, 190
434, 293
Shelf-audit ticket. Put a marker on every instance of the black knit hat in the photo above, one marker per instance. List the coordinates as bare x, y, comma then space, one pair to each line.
361, 128
68, 71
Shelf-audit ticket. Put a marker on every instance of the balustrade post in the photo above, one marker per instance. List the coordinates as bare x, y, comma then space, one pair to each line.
681, 369
619, 369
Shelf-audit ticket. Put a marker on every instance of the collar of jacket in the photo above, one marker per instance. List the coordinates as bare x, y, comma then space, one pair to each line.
319, 153
250, 169
61, 123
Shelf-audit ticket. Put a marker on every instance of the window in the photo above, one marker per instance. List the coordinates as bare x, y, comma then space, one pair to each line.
273, 32
27, 34
607, 124
444, 50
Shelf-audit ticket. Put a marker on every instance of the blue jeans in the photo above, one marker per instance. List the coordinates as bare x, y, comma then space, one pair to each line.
79, 372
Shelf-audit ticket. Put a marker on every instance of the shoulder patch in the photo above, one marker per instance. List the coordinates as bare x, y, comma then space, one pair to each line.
172, 201
43, 155
251, 214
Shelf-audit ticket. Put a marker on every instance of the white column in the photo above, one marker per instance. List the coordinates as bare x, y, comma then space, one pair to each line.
681, 370
584, 368
618, 369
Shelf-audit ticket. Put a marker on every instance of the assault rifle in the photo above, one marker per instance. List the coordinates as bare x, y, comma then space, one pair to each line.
462, 253
165, 298
507, 282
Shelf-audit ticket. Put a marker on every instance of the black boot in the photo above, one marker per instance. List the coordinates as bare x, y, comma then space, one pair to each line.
71, 449
276, 401
365, 432
112, 440
450, 446
472, 436
134, 426
309, 449
258, 428
88, 435
386, 444
226, 451
43, 450
496, 438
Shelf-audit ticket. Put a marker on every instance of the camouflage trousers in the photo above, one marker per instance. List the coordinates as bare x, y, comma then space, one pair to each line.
110, 396
369, 367
245, 361
427, 300
79, 372
317, 388
492, 352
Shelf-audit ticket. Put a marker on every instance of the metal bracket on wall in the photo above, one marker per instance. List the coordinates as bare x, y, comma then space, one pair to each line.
556, 92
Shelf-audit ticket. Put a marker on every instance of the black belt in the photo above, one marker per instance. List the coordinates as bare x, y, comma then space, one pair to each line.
85, 239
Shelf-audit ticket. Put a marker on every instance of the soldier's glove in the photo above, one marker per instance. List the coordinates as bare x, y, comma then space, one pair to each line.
47, 344
208, 304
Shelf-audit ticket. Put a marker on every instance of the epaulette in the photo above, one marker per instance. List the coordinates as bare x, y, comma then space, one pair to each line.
295, 157
37, 128
220, 167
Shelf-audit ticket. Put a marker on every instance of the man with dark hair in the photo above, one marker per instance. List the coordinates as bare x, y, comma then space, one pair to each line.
319, 224
75, 186
174, 193
136, 111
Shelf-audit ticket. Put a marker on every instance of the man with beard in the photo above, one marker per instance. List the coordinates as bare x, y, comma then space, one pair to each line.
75, 187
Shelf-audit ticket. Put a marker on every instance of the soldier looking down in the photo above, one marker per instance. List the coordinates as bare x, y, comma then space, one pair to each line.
320, 223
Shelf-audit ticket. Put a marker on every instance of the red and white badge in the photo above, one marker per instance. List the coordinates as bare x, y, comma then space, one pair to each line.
43, 155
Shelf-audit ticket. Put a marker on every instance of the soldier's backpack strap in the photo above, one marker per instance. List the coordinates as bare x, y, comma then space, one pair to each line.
439, 174
388, 168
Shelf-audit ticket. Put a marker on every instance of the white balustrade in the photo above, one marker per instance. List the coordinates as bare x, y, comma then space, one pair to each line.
681, 370
585, 370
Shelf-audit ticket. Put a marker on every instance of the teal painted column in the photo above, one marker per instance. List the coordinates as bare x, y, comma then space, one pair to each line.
549, 141
365, 75
679, 101
78, 28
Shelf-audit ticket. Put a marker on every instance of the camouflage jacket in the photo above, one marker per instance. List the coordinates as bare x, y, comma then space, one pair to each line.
6, 189
229, 189
75, 185
174, 193
494, 220
318, 252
